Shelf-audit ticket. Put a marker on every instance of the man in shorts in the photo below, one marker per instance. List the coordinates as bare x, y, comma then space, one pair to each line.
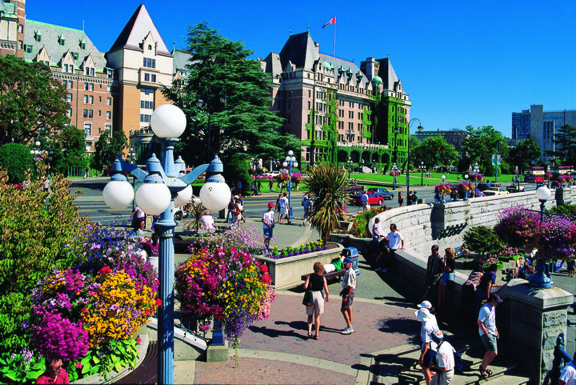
347, 294
568, 376
268, 224
488, 333
443, 363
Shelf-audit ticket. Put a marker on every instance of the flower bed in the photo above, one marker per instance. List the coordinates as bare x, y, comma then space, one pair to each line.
288, 251
287, 272
359, 226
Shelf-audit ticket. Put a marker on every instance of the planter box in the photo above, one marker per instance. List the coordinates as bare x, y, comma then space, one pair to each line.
348, 240
286, 272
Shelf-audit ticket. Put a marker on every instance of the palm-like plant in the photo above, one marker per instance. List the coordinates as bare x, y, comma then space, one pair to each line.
326, 186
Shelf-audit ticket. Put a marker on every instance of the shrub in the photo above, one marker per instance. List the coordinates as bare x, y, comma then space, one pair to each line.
482, 239
16, 159
360, 225
568, 210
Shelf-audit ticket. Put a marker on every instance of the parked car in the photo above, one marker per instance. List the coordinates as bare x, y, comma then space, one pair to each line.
382, 192
495, 191
373, 199
353, 189
513, 188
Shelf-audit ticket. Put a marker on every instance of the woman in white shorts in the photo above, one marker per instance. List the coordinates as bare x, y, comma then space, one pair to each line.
318, 285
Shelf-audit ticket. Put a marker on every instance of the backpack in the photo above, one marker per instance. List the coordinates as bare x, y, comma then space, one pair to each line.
236, 210
231, 205
458, 364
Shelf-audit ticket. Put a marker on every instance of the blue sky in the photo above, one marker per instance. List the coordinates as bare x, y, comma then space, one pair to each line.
462, 62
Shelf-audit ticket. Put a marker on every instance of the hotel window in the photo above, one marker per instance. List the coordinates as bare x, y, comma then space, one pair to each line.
69, 98
99, 112
85, 113
69, 112
308, 104
88, 129
85, 99
90, 113
65, 67
91, 86
99, 99
85, 86
71, 84
28, 48
141, 103
154, 78
108, 115
20, 28
309, 92
65, 83
108, 101
91, 99
108, 88
146, 77
359, 126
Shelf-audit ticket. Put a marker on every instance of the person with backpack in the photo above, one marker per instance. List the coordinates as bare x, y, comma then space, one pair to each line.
230, 216
429, 325
443, 362
237, 211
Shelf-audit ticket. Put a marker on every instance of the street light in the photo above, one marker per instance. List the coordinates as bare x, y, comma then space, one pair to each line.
350, 164
422, 167
290, 162
539, 279
420, 128
199, 104
157, 195
466, 191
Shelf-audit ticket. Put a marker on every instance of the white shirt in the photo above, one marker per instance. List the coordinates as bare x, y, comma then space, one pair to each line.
207, 221
428, 327
349, 279
395, 240
487, 316
268, 217
569, 374
445, 356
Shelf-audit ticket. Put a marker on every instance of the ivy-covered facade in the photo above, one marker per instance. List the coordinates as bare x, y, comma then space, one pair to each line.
343, 114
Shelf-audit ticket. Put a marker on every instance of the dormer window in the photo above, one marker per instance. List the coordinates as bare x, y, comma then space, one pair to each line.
61, 40
38, 36
149, 47
83, 44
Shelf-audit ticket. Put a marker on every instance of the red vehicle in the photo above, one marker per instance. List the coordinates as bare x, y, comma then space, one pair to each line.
534, 174
373, 199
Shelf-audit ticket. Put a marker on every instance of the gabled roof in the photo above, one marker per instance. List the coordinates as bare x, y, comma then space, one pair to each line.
51, 41
300, 51
272, 63
387, 73
181, 59
345, 66
137, 28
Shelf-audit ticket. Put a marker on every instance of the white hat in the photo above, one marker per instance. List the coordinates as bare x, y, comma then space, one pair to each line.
422, 314
425, 305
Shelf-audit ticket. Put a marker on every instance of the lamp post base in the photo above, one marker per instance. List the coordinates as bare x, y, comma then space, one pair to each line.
539, 279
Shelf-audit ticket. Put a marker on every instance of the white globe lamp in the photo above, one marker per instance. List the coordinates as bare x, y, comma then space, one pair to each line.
215, 195
543, 193
153, 198
168, 121
118, 194
183, 196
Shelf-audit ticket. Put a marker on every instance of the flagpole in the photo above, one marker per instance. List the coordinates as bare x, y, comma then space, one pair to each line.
335, 36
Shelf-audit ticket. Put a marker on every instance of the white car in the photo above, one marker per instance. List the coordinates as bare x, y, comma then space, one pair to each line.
273, 173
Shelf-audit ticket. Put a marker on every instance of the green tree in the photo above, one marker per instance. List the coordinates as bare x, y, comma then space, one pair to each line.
326, 186
16, 159
565, 145
236, 98
108, 148
32, 102
69, 150
39, 232
479, 146
525, 153
433, 151
482, 239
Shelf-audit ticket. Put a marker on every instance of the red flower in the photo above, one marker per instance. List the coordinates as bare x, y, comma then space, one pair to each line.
92, 293
158, 302
266, 278
138, 340
105, 270
264, 268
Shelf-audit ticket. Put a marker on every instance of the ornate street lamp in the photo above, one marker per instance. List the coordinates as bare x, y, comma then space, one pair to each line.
162, 185
539, 279
466, 184
395, 171
290, 162
350, 164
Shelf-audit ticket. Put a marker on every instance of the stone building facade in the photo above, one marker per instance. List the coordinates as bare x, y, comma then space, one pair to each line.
339, 110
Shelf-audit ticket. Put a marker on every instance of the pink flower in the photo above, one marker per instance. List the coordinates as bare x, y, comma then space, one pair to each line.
79, 365
138, 340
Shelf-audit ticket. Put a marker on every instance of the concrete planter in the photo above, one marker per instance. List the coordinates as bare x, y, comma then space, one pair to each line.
348, 240
287, 272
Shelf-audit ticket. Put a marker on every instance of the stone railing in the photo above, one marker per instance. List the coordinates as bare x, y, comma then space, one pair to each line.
540, 314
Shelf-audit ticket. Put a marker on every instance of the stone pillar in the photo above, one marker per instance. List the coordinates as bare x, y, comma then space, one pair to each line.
531, 319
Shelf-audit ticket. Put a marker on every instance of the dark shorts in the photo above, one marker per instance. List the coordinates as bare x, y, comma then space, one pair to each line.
348, 304
490, 342
268, 232
427, 358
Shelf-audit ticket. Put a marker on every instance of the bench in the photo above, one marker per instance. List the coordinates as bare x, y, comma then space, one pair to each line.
328, 276
147, 371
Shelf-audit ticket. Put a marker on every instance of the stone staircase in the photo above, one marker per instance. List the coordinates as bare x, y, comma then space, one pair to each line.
399, 365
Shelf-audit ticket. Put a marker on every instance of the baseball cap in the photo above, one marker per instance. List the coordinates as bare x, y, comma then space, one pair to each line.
425, 305
437, 335
495, 297
270, 204
236, 197
347, 260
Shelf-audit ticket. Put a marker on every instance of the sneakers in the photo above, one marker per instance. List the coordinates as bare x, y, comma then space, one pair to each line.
348, 330
378, 269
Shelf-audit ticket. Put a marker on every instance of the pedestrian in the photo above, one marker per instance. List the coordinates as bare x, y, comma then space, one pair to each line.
271, 184
237, 211
284, 209
317, 283
400, 199
382, 258
347, 294
47, 183
253, 188
138, 216
409, 199
307, 203
207, 221
395, 242
239, 187
429, 325
467, 299
443, 363
278, 208
230, 216
54, 374
152, 249
241, 206
365, 204
258, 186
568, 376
488, 333
376, 235
434, 270
415, 197
487, 282
447, 277
268, 225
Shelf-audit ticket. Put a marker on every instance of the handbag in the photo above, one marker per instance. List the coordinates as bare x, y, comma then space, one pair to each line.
308, 298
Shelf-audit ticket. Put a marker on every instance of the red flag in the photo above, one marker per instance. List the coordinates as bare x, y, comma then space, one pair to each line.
332, 21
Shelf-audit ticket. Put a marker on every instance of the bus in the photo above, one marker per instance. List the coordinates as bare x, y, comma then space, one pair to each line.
534, 174
562, 170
